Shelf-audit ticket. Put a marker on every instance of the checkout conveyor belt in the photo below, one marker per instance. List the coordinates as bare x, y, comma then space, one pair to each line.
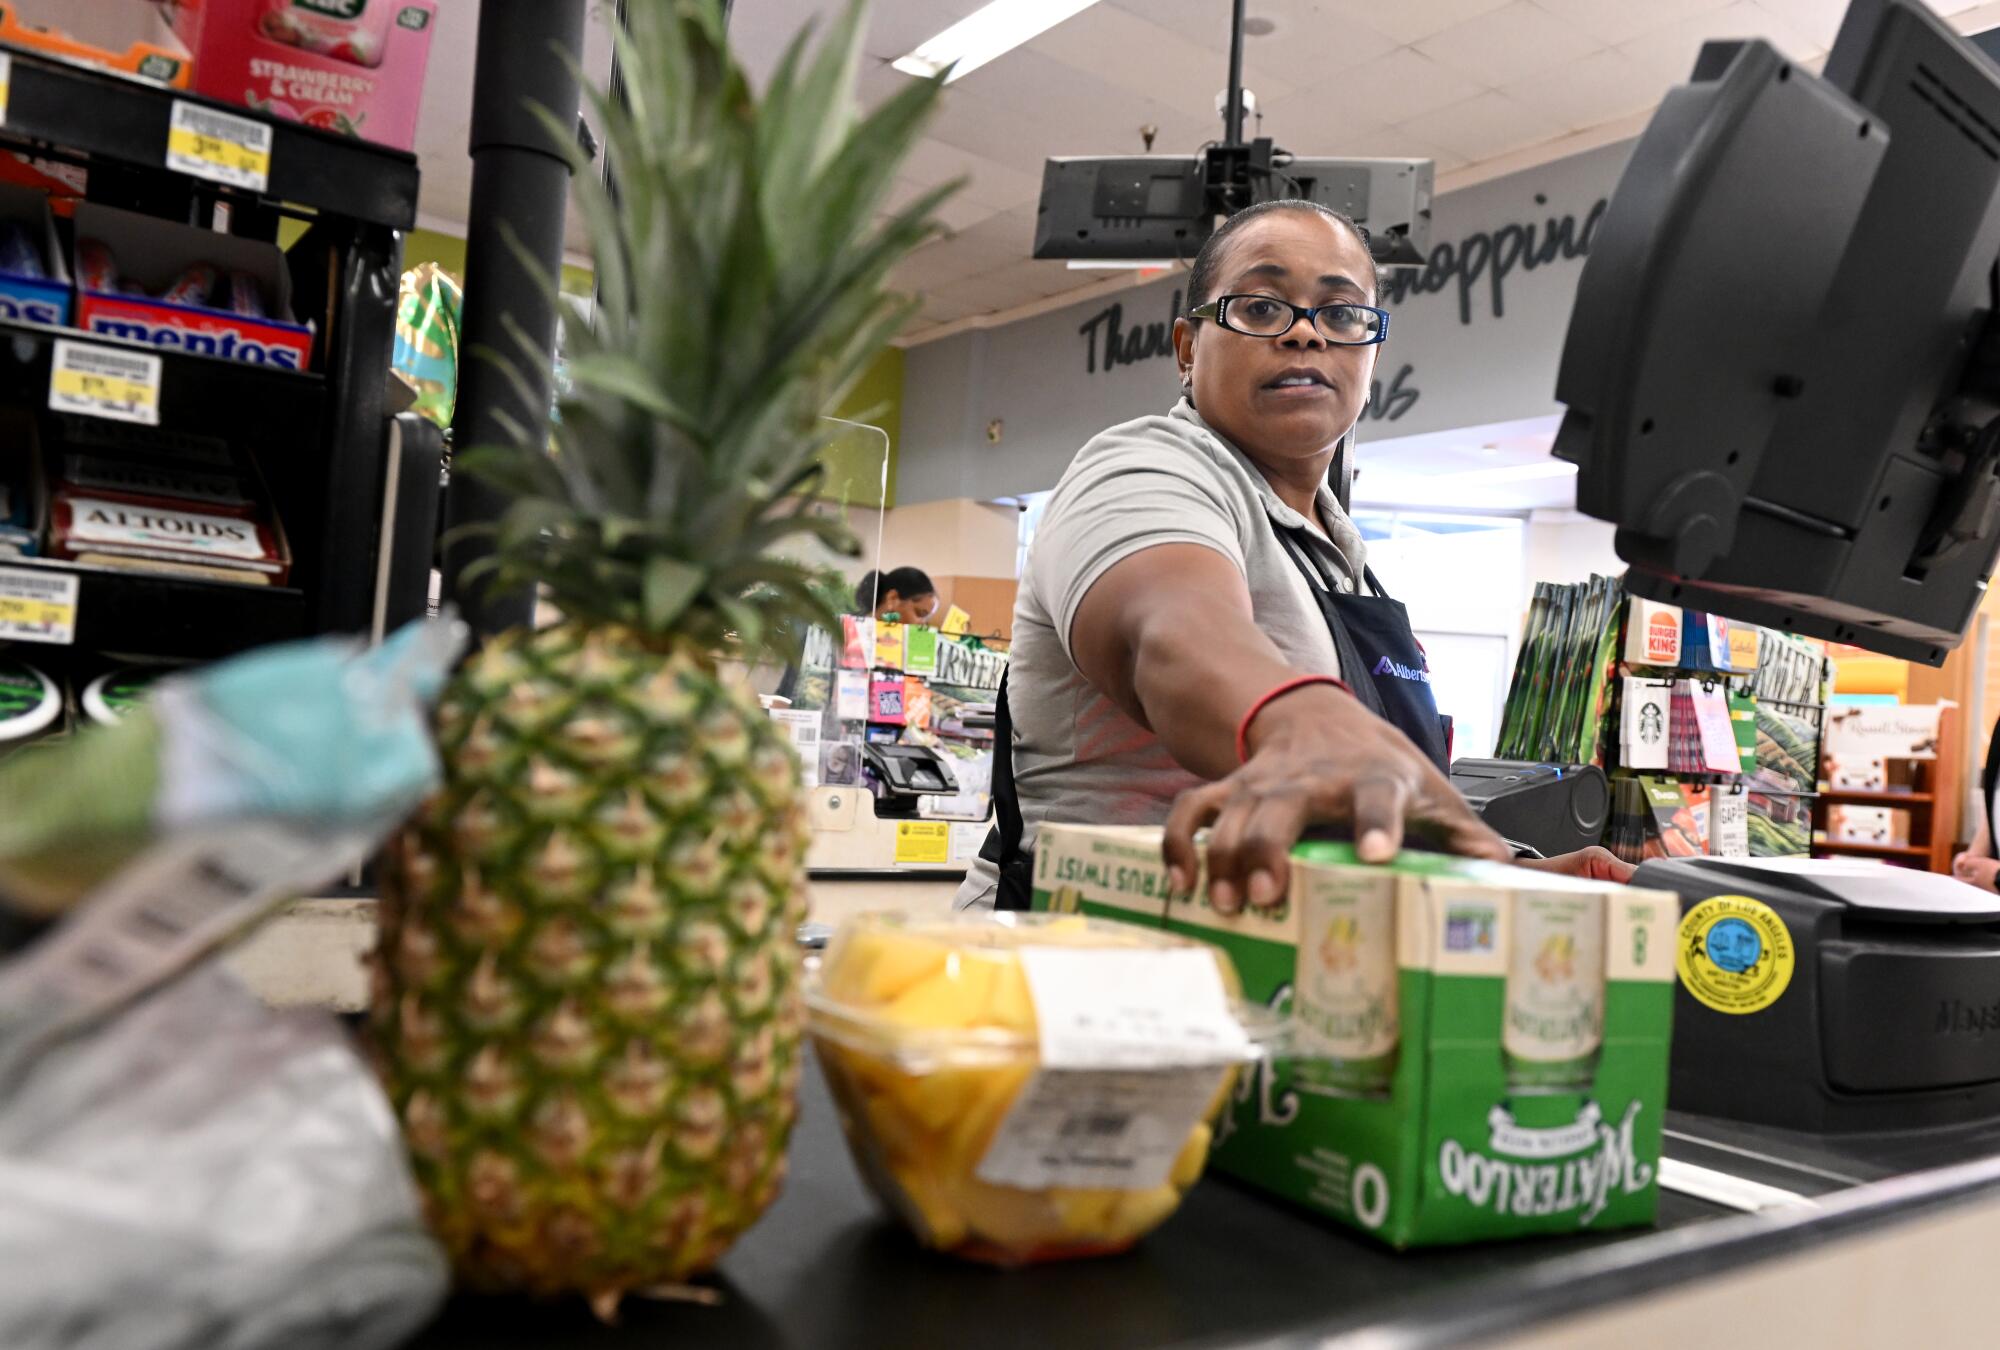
826, 1270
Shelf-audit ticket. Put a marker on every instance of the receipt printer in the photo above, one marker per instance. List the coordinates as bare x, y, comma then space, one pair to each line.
899, 774
1833, 996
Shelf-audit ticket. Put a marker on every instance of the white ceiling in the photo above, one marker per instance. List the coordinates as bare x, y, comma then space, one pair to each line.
1479, 86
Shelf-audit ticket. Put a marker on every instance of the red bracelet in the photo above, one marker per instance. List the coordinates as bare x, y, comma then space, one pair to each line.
1243, 727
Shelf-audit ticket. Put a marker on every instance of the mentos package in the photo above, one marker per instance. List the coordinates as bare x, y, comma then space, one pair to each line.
180, 288
34, 283
350, 66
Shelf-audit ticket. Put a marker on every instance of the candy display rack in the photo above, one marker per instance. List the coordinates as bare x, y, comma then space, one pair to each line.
325, 438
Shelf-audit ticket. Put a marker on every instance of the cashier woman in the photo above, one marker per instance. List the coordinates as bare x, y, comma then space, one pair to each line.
1198, 640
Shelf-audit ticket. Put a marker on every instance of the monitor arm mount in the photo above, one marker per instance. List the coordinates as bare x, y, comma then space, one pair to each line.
1232, 168
1963, 436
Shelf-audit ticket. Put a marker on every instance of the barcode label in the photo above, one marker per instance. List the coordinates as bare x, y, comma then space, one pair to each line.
1116, 1129
1099, 1126
38, 606
219, 146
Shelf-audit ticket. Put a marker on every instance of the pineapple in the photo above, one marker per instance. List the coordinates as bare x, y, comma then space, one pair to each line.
586, 1003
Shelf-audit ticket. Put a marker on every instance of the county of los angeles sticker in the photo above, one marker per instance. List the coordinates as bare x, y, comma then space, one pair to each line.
1736, 954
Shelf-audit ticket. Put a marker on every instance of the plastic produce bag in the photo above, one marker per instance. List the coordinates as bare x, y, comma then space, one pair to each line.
202, 1173
180, 1166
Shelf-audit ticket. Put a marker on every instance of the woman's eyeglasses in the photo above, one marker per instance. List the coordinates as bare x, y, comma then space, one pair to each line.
1343, 324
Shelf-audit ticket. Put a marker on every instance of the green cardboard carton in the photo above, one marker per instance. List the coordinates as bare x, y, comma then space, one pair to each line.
1481, 1051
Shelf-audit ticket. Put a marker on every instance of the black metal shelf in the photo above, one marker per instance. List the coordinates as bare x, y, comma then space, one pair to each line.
157, 614
123, 119
186, 376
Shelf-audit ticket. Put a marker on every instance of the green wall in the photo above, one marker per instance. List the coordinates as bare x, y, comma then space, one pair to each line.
854, 472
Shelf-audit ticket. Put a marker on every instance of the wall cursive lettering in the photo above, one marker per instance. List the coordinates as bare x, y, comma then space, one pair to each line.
1127, 347
1491, 256
1387, 405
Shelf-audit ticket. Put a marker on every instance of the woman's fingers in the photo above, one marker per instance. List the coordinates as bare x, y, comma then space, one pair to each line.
1192, 812
1271, 824
1379, 802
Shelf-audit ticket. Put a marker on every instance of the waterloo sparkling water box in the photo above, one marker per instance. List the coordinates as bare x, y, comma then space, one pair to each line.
1479, 1052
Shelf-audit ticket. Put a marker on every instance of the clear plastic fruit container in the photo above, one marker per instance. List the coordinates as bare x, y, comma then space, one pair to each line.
927, 1032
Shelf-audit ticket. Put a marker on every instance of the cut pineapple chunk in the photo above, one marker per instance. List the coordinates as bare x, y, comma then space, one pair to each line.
878, 965
1193, 1157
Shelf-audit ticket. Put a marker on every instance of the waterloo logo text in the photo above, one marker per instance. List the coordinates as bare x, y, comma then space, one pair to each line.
1584, 1183
230, 345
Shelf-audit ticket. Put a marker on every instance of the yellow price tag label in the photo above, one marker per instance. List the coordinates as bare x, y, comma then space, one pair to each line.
923, 841
37, 606
219, 146
34, 613
105, 382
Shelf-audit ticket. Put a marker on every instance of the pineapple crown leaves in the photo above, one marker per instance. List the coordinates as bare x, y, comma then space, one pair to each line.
742, 272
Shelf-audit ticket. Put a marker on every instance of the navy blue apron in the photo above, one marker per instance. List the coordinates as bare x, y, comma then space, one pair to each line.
1371, 634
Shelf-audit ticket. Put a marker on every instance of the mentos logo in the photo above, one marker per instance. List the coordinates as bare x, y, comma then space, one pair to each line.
21, 309
1402, 672
230, 345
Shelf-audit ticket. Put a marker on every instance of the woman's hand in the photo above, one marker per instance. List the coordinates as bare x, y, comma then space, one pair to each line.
1974, 870
1316, 757
1592, 864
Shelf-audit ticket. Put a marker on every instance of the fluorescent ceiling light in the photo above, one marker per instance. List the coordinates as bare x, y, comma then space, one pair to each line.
1119, 264
989, 31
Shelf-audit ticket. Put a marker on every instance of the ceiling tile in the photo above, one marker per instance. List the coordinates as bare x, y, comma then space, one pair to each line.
1816, 21
1508, 44
1668, 54
959, 212
1402, 85
1406, 20
995, 185
1127, 52
1614, 21
1485, 126
1364, 140
1602, 87
1026, 106
1032, 280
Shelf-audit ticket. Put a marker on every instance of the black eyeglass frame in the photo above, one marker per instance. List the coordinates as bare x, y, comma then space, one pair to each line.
1218, 310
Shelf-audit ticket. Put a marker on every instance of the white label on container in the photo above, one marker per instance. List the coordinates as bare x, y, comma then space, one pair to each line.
219, 146
105, 382
1101, 1129
1131, 1008
38, 606
96, 520
1133, 1044
6, 84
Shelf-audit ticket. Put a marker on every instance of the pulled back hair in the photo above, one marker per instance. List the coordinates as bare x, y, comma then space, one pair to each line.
1201, 277
904, 581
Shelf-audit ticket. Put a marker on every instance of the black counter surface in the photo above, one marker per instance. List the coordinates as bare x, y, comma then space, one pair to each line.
826, 1269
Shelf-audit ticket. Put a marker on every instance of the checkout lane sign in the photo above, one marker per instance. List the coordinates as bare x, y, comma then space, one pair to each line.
1736, 955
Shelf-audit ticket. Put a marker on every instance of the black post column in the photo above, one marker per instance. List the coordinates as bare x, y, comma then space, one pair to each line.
518, 182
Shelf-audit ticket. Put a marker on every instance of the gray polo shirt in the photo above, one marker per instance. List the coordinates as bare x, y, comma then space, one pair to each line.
1156, 480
